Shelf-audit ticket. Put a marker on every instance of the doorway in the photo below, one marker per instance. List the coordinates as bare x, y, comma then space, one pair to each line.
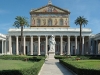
26, 50
73, 50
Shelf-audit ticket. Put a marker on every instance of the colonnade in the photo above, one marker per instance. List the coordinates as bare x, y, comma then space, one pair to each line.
46, 43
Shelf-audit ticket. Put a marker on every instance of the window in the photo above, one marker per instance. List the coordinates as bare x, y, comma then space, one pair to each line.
38, 22
50, 22
61, 22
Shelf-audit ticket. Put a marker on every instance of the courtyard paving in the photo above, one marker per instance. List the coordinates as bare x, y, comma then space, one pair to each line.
53, 67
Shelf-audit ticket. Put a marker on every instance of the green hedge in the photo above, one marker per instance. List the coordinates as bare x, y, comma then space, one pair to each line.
80, 71
60, 57
34, 70
13, 57
85, 57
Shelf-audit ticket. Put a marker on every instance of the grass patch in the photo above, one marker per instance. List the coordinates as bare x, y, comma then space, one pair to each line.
17, 65
14, 64
82, 67
85, 64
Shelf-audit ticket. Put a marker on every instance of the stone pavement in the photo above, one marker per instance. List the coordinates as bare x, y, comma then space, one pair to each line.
53, 67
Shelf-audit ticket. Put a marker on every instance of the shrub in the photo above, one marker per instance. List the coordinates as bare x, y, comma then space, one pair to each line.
24, 58
60, 57
80, 71
34, 70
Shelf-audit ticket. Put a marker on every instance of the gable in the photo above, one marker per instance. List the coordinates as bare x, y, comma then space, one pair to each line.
50, 9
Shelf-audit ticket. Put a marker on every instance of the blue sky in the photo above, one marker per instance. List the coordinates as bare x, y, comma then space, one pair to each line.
90, 9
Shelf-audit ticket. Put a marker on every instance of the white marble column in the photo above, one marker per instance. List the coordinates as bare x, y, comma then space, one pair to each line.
83, 45
10, 45
5, 48
75, 44
2, 47
61, 45
31, 45
24, 45
68, 52
46, 47
17, 51
38, 45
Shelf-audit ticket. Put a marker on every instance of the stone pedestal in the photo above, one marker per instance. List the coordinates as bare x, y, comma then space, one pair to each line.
51, 55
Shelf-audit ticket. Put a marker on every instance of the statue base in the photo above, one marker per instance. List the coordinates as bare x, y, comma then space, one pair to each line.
51, 55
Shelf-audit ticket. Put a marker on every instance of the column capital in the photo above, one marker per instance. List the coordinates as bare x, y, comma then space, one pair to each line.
16, 35
76, 36
38, 35
83, 36
24, 35
61, 35
9, 35
31, 35
2, 39
46, 35
68, 36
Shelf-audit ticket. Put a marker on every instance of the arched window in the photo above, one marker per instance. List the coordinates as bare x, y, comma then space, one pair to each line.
61, 22
50, 22
38, 22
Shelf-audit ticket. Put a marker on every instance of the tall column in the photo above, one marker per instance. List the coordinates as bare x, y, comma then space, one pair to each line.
75, 44
61, 45
31, 45
10, 45
24, 45
17, 51
83, 45
5, 48
2, 46
38, 45
68, 52
46, 47
89, 45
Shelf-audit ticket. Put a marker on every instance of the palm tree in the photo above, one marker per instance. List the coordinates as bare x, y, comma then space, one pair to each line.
81, 21
21, 22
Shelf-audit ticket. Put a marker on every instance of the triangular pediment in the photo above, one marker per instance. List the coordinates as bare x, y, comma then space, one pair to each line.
50, 9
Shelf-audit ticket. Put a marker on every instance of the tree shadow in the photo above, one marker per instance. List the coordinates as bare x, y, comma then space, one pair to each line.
64, 70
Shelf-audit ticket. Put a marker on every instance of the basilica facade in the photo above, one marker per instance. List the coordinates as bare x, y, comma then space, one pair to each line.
47, 21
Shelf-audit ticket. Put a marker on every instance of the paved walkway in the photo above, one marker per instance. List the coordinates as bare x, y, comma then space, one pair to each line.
53, 67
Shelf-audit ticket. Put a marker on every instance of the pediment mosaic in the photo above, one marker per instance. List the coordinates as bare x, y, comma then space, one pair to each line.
50, 8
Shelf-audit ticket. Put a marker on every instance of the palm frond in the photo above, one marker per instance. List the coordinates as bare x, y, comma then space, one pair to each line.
81, 21
20, 21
